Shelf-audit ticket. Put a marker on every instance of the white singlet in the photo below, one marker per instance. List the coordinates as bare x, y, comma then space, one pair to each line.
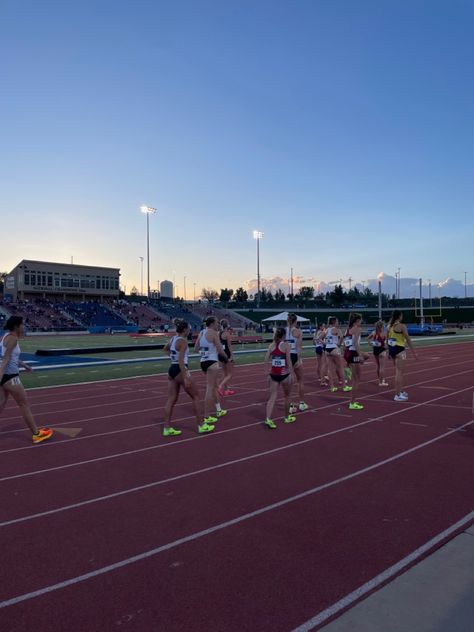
291, 340
13, 366
207, 350
174, 353
332, 340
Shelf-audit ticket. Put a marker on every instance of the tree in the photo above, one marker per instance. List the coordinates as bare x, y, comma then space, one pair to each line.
134, 291
337, 297
280, 296
209, 294
240, 295
305, 293
225, 295
3, 276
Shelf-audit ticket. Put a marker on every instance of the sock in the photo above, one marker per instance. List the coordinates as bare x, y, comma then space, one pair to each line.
218, 407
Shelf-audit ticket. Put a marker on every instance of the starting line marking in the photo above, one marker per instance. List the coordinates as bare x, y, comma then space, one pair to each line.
253, 514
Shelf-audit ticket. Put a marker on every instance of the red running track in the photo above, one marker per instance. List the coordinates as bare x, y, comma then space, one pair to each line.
242, 530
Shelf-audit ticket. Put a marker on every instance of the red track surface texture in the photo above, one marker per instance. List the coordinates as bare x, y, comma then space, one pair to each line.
243, 530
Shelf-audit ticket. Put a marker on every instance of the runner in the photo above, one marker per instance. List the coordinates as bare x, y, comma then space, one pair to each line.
210, 349
354, 356
228, 367
321, 360
332, 339
180, 376
294, 338
397, 341
378, 339
10, 383
281, 373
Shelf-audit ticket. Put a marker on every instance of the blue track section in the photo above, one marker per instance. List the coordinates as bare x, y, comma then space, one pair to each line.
35, 360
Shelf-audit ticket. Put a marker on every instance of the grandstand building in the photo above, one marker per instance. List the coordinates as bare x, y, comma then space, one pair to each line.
61, 281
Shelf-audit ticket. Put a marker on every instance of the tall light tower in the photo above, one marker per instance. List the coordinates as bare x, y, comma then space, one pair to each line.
257, 235
148, 210
141, 275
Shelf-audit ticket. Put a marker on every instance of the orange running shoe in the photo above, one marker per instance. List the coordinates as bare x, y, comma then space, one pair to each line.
42, 435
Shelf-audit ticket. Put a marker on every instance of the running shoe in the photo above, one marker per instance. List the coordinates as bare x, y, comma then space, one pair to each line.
333, 389
42, 435
289, 420
404, 393
210, 420
205, 427
228, 392
348, 373
347, 388
383, 383
293, 409
302, 406
171, 432
220, 413
355, 406
269, 423
400, 398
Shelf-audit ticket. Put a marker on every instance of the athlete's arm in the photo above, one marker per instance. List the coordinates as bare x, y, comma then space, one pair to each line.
289, 363
229, 345
183, 345
269, 350
197, 344
25, 366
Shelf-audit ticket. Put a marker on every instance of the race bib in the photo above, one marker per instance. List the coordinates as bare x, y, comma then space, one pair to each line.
278, 363
15, 381
392, 342
376, 343
348, 342
204, 353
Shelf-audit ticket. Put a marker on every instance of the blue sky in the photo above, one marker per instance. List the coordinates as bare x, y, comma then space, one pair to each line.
343, 130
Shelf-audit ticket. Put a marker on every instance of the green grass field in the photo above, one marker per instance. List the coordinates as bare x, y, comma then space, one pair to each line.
55, 377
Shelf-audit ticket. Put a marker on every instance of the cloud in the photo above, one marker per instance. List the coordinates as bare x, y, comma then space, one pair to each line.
409, 287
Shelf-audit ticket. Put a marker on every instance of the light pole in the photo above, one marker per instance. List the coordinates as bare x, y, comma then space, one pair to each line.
141, 276
257, 235
148, 210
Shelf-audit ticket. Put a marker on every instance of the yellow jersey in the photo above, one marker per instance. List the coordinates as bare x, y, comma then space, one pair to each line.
396, 338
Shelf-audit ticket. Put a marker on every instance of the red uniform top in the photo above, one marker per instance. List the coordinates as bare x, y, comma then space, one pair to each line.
278, 360
378, 340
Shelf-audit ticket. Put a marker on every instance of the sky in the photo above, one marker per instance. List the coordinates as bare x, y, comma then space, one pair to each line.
343, 130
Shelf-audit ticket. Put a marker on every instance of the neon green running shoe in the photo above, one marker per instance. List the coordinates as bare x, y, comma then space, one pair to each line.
171, 432
220, 413
289, 420
355, 406
205, 427
210, 420
269, 423
347, 388
333, 389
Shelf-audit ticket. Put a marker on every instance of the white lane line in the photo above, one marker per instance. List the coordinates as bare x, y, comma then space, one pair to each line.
409, 423
387, 574
200, 471
219, 527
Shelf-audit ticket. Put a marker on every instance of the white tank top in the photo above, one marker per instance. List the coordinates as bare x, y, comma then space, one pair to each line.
319, 338
291, 340
349, 342
332, 340
174, 353
207, 350
13, 366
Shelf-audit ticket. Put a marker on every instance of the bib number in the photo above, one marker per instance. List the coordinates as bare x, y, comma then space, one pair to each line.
376, 343
204, 353
278, 363
15, 381
348, 342
392, 342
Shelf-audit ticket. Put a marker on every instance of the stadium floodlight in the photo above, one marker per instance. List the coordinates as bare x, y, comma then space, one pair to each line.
148, 210
257, 235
